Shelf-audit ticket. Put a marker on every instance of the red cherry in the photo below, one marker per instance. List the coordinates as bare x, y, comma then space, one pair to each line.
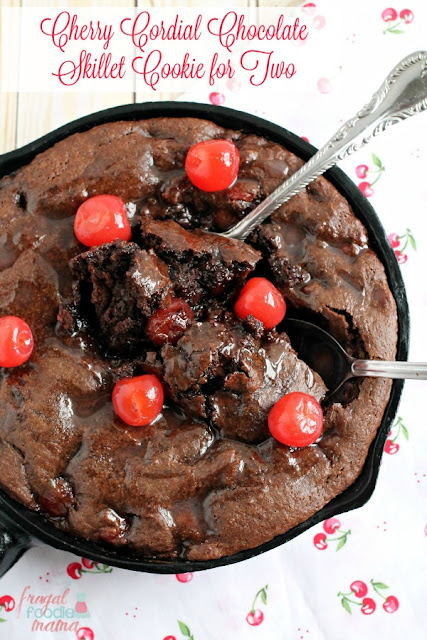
296, 419
331, 525
212, 165
401, 257
366, 189
254, 618
359, 588
138, 401
391, 447
168, 325
368, 606
102, 219
7, 602
393, 238
406, 15
184, 577
391, 604
169, 638
74, 570
362, 170
85, 633
260, 298
319, 541
217, 98
389, 14
16, 341
88, 564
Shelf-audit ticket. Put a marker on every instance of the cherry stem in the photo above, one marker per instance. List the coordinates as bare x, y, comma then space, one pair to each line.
103, 568
399, 425
406, 241
376, 590
345, 595
377, 178
100, 571
345, 534
255, 599
107, 570
391, 28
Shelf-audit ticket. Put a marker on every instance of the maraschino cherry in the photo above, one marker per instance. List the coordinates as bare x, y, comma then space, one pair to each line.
169, 324
212, 165
260, 299
16, 341
138, 401
296, 419
102, 219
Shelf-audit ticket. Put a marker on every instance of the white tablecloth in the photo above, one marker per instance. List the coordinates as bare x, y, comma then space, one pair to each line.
301, 591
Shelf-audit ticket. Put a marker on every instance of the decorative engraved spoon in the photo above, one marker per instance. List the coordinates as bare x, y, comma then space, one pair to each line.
326, 356
402, 94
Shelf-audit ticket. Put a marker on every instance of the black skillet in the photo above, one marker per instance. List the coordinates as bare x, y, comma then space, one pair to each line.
21, 528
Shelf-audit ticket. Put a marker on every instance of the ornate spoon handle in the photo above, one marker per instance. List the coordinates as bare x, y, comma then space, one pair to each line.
402, 94
383, 369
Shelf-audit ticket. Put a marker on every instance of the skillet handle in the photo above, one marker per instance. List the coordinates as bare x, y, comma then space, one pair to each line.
13, 543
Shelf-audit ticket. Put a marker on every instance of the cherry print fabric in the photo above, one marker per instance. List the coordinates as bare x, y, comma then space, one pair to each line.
361, 574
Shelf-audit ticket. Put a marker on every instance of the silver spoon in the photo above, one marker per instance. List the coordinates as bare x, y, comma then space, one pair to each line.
326, 356
402, 94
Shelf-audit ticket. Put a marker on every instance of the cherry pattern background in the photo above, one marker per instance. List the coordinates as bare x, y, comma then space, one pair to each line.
356, 575
360, 595
398, 432
7, 604
256, 616
76, 569
370, 174
400, 243
184, 630
332, 532
396, 21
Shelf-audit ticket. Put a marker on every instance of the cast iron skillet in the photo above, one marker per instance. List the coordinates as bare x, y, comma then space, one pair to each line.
21, 528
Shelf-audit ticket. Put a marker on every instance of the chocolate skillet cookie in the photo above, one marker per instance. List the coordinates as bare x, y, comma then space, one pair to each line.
155, 300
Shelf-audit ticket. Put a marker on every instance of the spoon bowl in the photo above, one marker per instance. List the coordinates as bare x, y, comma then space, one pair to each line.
326, 356
320, 351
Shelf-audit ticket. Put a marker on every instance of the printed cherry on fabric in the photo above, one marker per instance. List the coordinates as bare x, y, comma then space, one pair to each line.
102, 219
